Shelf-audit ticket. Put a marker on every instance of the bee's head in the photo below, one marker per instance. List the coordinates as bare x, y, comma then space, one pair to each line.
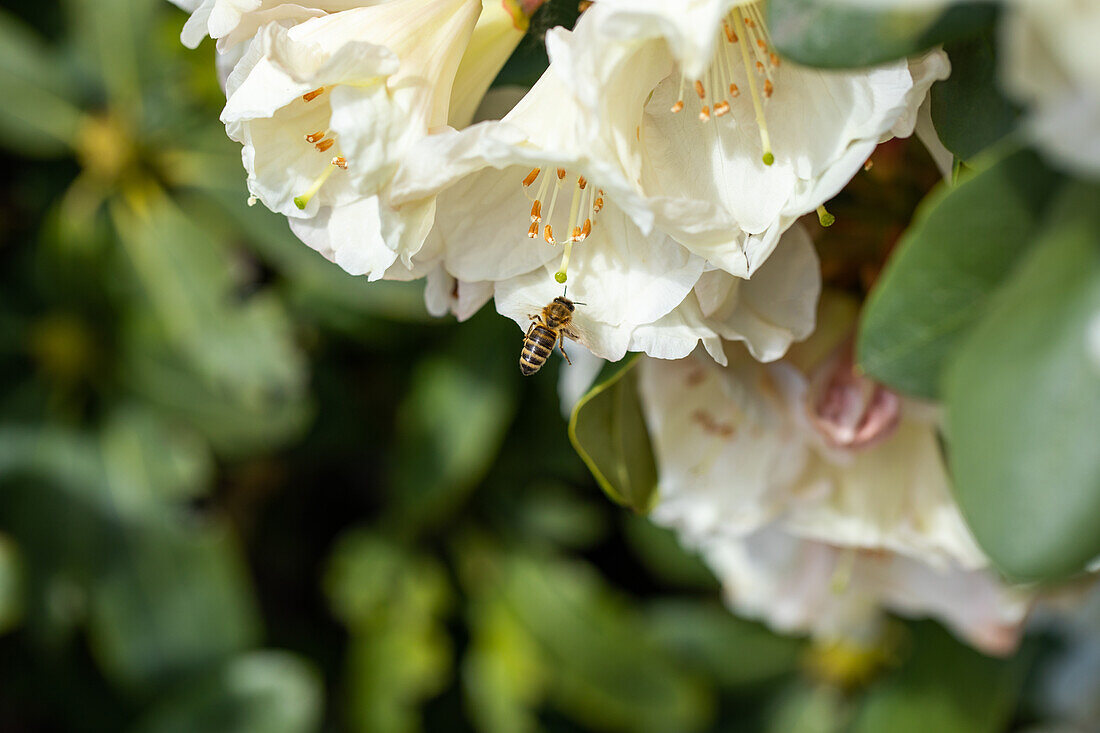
566, 302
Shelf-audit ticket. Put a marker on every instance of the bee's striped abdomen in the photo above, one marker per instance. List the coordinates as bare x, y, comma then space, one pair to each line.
536, 349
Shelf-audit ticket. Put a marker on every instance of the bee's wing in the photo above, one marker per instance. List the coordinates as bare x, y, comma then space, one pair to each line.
577, 332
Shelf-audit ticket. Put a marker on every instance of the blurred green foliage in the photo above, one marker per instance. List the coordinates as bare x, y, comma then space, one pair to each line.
243, 491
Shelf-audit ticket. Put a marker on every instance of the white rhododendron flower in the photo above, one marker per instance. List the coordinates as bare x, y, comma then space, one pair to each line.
531, 203
818, 499
326, 109
728, 143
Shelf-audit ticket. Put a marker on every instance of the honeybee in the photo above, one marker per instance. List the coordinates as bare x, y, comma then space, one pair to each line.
551, 327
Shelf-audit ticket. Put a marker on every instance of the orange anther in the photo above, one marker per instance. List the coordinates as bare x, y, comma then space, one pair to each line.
704, 114
581, 182
340, 162
760, 43
774, 58
730, 35
699, 89
531, 176
324, 145
319, 135
561, 174
576, 236
721, 108
734, 91
769, 88
536, 210
310, 96
598, 205
759, 67
586, 229
678, 106
749, 22
534, 230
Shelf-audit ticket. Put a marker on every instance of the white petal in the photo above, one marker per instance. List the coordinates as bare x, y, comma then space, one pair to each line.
721, 473
364, 237
777, 306
443, 294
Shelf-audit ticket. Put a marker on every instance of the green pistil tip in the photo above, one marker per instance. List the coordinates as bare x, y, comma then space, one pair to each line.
824, 217
560, 276
300, 201
768, 158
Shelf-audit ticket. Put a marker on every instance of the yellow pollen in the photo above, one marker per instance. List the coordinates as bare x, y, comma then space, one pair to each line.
310, 96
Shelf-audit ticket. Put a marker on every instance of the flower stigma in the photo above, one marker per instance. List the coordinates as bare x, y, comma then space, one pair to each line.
586, 202
746, 31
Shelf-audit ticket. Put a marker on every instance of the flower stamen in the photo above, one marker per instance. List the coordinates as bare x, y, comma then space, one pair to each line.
743, 27
310, 96
583, 206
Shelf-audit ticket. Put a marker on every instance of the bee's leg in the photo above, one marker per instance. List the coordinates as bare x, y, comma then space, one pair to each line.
532, 317
561, 347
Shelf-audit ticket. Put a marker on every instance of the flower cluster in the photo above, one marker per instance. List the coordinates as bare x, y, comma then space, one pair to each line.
656, 171
653, 169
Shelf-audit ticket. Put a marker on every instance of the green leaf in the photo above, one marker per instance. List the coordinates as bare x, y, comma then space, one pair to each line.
452, 422
172, 600
836, 35
393, 602
114, 42
968, 110
964, 241
944, 687
37, 117
240, 344
718, 645
269, 691
595, 661
1023, 404
608, 431
226, 362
